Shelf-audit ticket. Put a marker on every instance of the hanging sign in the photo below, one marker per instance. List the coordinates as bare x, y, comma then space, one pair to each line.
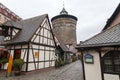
36, 54
89, 58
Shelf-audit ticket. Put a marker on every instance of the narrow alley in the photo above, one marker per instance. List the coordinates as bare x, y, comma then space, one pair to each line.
71, 71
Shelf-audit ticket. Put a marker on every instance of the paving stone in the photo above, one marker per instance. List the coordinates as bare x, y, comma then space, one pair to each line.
71, 71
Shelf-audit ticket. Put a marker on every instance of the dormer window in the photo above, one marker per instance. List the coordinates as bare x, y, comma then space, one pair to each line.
12, 33
9, 32
5, 31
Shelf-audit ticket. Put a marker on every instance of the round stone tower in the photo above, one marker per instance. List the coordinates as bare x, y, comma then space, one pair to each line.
64, 27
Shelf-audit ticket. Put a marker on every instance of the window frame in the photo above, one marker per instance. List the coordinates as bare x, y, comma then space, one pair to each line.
109, 64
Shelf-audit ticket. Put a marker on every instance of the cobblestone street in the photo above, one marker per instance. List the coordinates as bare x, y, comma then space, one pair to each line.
71, 71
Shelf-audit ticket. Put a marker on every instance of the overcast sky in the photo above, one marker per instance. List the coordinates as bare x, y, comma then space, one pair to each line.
92, 14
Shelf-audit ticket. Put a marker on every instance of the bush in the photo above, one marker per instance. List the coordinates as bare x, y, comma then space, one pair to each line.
17, 64
59, 63
62, 62
3, 61
74, 58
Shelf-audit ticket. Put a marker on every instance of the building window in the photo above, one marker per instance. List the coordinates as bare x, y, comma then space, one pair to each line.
17, 53
111, 62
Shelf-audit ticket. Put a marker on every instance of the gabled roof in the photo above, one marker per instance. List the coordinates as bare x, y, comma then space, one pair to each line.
12, 24
110, 20
64, 47
109, 37
28, 28
60, 43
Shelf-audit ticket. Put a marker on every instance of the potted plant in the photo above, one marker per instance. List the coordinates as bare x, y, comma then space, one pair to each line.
17, 65
3, 61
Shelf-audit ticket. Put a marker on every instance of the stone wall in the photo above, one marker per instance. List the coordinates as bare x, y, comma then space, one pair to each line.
65, 30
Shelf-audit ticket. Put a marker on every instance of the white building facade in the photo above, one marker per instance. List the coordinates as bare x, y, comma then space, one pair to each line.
31, 40
101, 53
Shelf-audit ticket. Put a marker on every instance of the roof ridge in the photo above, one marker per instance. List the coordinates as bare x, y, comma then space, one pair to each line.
34, 17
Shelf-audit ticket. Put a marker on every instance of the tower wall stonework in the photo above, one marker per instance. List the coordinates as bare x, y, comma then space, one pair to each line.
65, 29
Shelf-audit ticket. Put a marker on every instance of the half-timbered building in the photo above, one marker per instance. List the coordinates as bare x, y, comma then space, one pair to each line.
31, 40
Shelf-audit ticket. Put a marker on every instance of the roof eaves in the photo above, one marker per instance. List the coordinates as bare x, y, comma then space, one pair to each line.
99, 45
15, 43
83, 43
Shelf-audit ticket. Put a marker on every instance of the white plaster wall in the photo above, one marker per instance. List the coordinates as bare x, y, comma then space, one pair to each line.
24, 52
41, 65
46, 64
49, 34
24, 67
47, 55
31, 66
49, 42
36, 39
12, 52
93, 71
41, 47
4, 66
24, 46
52, 55
45, 41
111, 77
52, 43
30, 55
41, 31
16, 31
52, 63
45, 32
41, 55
